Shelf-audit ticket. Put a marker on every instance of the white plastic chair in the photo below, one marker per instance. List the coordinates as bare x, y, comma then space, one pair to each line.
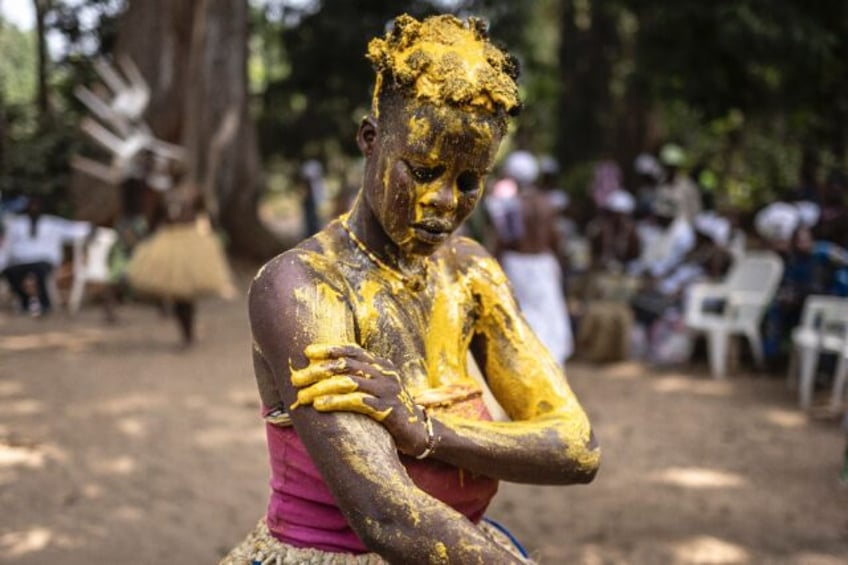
823, 329
90, 264
744, 295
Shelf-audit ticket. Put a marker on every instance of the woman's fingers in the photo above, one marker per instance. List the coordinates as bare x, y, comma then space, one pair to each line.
322, 369
351, 402
315, 372
322, 351
330, 386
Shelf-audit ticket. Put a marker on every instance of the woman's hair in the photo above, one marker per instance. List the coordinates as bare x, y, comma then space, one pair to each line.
444, 61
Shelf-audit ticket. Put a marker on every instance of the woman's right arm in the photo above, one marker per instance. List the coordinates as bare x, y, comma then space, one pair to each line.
291, 307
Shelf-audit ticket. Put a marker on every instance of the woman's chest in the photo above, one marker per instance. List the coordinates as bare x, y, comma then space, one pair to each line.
426, 333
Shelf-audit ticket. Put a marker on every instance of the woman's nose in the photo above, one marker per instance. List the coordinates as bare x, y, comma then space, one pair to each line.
442, 196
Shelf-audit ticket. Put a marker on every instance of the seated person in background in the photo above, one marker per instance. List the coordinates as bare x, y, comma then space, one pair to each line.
810, 267
659, 309
669, 247
381, 447
677, 185
35, 248
649, 174
612, 234
708, 260
605, 323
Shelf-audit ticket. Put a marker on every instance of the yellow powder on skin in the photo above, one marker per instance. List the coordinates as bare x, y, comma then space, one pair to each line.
419, 130
445, 354
320, 295
327, 387
441, 553
427, 334
354, 402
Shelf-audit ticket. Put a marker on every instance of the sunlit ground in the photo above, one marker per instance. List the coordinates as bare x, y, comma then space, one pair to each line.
113, 443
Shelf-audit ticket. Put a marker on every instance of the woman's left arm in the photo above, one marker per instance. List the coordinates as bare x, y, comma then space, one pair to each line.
549, 438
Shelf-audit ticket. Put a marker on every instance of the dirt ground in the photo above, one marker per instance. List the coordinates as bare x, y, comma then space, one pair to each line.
117, 448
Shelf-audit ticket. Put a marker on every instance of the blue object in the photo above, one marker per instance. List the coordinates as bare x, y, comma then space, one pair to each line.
502, 529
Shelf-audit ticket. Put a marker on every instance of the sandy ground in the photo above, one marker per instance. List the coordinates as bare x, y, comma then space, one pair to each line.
116, 448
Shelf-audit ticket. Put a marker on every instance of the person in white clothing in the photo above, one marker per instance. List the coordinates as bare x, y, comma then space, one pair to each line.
34, 244
531, 260
669, 247
678, 186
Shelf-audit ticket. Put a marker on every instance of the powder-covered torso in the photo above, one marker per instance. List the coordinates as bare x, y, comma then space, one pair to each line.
425, 331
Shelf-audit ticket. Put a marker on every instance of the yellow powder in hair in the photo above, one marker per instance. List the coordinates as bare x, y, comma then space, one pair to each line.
445, 61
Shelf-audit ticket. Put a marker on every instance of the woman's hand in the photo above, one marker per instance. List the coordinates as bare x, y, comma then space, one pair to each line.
346, 378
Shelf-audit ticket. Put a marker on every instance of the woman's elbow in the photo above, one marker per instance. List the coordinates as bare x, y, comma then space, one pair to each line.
583, 462
585, 474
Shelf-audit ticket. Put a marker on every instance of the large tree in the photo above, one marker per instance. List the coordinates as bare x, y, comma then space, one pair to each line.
193, 53
312, 109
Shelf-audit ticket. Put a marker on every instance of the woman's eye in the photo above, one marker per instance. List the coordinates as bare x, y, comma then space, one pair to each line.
425, 174
468, 182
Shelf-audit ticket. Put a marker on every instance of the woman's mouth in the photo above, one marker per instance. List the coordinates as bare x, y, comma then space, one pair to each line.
432, 231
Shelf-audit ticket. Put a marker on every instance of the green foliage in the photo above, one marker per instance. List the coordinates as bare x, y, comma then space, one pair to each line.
37, 148
744, 85
38, 163
87, 27
313, 67
17, 65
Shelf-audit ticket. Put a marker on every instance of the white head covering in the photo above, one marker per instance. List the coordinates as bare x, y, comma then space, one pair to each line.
646, 164
620, 202
714, 227
809, 213
778, 221
521, 166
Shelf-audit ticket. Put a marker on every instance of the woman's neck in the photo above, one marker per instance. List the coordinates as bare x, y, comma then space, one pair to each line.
366, 231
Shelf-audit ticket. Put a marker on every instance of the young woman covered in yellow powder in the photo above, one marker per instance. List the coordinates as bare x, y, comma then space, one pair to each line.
380, 445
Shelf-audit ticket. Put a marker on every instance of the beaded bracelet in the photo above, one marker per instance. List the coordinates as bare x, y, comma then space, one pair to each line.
431, 436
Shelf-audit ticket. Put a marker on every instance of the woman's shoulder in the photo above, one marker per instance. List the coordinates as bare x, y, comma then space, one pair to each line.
314, 259
473, 261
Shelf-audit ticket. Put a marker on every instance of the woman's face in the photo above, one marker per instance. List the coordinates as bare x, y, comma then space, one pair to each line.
425, 172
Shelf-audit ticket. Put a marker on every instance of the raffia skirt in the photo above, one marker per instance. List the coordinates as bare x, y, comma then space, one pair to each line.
261, 547
182, 262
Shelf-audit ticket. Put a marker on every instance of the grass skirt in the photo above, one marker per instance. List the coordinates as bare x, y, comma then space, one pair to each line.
181, 261
261, 547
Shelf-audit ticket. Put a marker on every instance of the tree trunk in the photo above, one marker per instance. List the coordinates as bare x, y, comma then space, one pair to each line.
589, 41
41, 8
193, 53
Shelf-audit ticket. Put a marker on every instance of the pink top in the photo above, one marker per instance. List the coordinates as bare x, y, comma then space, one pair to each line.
303, 513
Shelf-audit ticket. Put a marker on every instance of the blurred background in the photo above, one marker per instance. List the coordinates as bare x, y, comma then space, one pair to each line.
757, 93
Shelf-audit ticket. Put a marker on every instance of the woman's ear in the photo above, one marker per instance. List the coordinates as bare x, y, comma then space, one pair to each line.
366, 136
